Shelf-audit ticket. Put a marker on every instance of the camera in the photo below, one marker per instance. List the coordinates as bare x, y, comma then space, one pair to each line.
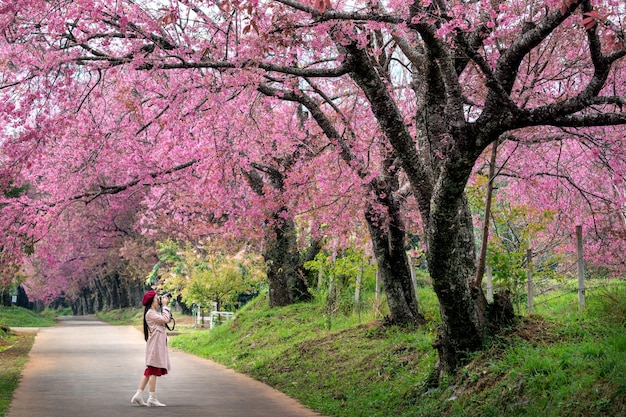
167, 294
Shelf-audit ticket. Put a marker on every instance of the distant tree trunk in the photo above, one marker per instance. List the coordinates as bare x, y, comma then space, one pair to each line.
112, 288
6, 297
285, 273
132, 292
287, 283
105, 293
81, 306
22, 297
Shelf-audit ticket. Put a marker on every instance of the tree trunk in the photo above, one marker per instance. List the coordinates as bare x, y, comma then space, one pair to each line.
285, 273
388, 243
438, 170
111, 283
286, 280
451, 263
22, 297
6, 297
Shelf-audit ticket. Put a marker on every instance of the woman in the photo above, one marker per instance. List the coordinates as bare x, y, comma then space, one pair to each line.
157, 358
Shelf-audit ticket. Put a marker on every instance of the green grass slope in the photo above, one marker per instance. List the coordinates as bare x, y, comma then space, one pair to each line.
21, 317
555, 363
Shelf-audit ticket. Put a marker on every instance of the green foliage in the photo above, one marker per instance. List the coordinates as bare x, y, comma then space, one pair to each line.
347, 265
509, 272
56, 312
609, 301
14, 192
513, 230
338, 279
153, 276
201, 277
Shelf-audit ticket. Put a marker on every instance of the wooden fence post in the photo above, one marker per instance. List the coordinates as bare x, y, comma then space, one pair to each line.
378, 295
414, 280
581, 268
357, 292
489, 284
531, 286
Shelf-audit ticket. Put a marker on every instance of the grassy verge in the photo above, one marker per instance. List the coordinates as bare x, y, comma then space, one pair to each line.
21, 317
14, 348
557, 363
131, 317
12, 360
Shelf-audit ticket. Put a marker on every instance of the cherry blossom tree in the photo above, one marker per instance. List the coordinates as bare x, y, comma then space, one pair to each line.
579, 181
80, 259
437, 81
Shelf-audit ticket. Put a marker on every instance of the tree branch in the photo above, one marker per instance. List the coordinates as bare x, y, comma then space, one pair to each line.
322, 120
338, 15
391, 121
587, 120
508, 64
115, 189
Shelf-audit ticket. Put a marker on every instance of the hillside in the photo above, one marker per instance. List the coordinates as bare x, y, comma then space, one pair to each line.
556, 363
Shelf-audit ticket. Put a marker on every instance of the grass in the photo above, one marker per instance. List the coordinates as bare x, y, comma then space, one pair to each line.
20, 317
14, 347
12, 360
132, 316
556, 362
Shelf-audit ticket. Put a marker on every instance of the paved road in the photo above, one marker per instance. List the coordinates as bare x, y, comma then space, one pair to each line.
87, 368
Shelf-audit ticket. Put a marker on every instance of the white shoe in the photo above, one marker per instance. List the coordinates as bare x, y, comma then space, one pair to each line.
138, 399
153, 402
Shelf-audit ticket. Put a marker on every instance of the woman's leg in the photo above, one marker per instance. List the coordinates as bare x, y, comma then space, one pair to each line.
138, 397
152, 399
143, 383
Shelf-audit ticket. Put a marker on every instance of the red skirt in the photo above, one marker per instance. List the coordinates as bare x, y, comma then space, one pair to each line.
151, 370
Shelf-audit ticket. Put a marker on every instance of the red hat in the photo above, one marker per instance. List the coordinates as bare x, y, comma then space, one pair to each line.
148, 297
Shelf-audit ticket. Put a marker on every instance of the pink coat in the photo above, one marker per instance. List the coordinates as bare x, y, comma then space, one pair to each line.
156, 348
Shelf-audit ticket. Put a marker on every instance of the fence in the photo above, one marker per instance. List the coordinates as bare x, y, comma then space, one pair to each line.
531, 291
213, 319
